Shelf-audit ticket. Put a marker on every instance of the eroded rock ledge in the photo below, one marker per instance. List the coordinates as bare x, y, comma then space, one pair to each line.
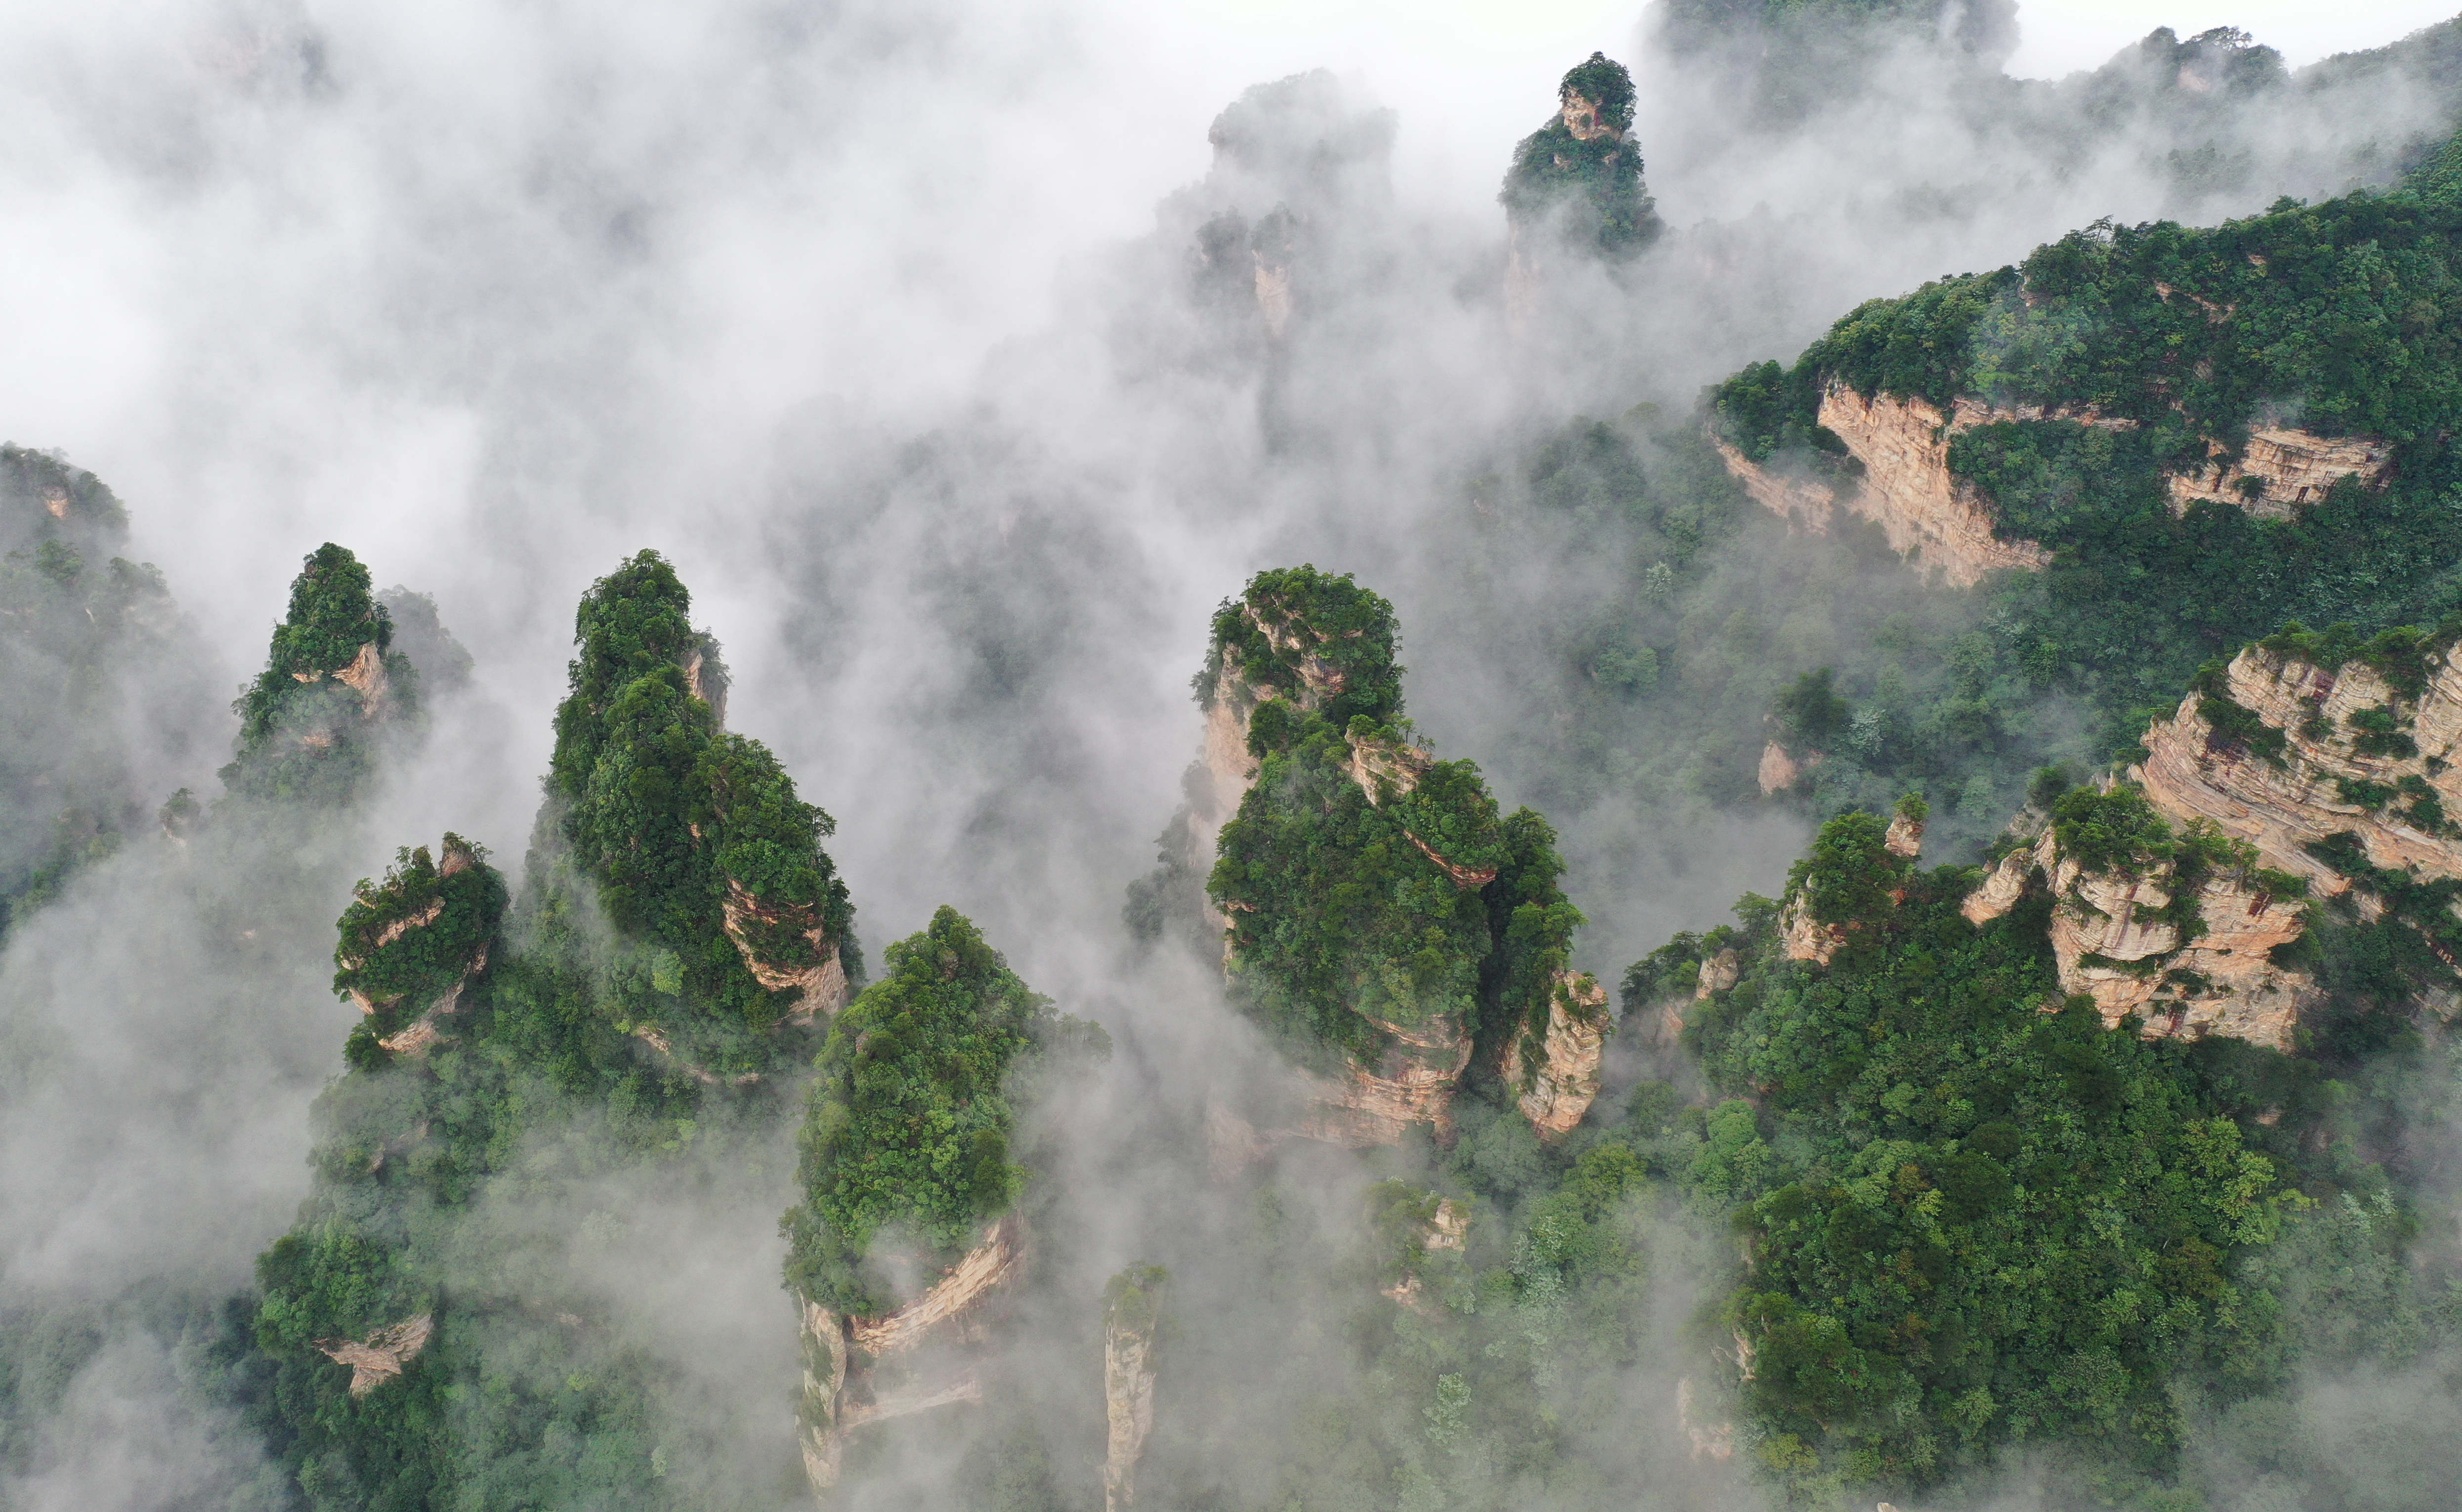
1940, 524
859, 1372
2289, 763
2120, 939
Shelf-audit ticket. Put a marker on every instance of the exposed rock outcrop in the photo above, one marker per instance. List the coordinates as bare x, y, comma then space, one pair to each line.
2280, 470
1799, 500
1930, 517
859, 1371
1413, 1082
381, 1355
1805, 938
1561, 1081
1131, 1325
705, 680
820, 987
366, 677
2120, 939
2313, 789
1781, 768
955, 1302
1905, 837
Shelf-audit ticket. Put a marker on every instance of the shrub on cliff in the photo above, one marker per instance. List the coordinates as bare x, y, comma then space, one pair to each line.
1586, 188
670, 821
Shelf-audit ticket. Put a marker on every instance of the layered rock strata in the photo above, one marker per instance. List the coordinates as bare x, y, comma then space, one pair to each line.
861, 1370
2117, 939
2280, 470
1931, 518
2315, 787
1942, 524
820, 985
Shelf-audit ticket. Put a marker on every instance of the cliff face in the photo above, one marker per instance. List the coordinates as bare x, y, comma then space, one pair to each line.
1941, 524
1413, 1082
1930, 517
2118, 938
1131, 1322
859, 1371
2280, 470
1559, 1084
820, 987
2330, 777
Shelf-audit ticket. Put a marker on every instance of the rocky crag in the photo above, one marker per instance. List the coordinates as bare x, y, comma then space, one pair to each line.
1133, 1315
669, 950
1575, 187
1316, 790
2310, 768
911, 1232
331, 689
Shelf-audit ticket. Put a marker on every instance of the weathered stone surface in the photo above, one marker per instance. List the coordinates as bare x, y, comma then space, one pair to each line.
1412, 1083
381, 1355
2109, 944
951, 1301
2001, 888
1565, 1080
1806, 938
1930, 517
1805, 502
821, 987
2282, 808
1779, 769
843, 1356
2290, 467
1905, 837
1447, 1228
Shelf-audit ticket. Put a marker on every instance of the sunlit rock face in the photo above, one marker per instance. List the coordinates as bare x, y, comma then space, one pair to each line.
2324, 779
1557, 1086
2316, 786
2280, 470
2116, 939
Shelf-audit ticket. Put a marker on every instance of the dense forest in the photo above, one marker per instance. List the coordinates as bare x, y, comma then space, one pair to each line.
2066, 656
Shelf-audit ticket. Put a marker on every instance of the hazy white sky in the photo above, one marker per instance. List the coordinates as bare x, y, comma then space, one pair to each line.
2059, 36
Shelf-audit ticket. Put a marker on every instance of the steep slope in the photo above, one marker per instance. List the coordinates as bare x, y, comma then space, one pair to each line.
731, 919
1380, 915
617, 1022
2311, 766
912, 1227
2198, 433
